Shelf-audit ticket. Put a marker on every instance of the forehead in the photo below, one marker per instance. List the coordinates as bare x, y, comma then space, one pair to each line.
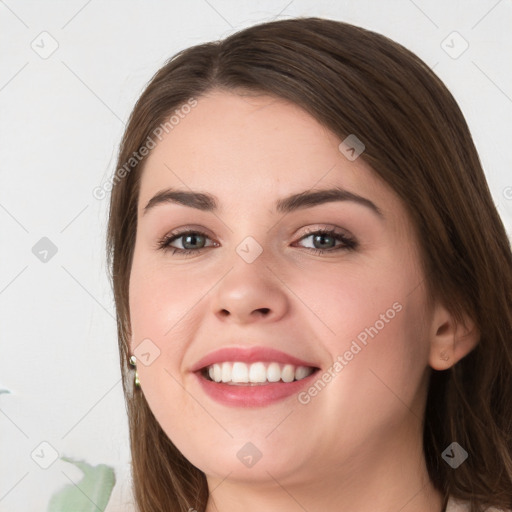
249, 150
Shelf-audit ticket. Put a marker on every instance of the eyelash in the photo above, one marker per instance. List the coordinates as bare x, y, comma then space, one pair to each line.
349, 244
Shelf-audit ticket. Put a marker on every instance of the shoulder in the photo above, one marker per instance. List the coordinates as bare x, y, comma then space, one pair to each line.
455, 505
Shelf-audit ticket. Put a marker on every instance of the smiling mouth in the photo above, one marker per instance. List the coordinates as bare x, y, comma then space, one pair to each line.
237, 373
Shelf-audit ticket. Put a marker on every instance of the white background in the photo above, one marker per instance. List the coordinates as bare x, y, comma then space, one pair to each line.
61, 121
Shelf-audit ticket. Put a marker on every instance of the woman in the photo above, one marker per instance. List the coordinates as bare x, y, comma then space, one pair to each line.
313, 285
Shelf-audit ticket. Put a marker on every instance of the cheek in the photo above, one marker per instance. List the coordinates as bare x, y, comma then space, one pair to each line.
158, 314
379, 354
164, 306
371, 322
161, 300
350, 302
384, 356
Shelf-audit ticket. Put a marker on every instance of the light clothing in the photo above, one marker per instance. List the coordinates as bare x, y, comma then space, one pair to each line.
120, 503
454, 505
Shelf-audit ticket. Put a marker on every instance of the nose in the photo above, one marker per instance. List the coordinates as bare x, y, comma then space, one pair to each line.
237, 312
250, 293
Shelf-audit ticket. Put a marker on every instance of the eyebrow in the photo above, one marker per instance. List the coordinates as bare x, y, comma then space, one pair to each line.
307, 199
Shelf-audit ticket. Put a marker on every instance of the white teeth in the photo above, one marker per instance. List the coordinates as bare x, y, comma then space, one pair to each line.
273, 372
239, 373
288, 373
226, 372
301, 372
257, 372
217, 373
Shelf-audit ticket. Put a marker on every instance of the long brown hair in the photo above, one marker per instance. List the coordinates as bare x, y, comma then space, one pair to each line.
353, 81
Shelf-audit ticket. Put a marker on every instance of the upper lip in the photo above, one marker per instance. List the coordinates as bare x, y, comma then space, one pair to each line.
248, 355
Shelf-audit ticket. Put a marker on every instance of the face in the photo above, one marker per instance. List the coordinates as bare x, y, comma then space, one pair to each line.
332, 283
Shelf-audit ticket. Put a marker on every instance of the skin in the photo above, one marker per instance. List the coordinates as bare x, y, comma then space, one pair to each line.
357, 445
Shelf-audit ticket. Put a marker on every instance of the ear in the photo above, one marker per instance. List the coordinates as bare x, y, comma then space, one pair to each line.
449, 341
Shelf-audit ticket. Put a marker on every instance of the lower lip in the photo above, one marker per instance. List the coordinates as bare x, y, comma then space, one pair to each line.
252, 396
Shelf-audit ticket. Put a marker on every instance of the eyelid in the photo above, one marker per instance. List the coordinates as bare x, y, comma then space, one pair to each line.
327, 227
347, 240
308, 230
183, 230
176, 234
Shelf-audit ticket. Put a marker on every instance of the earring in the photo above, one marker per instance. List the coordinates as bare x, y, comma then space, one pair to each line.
444, 355
133, 362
